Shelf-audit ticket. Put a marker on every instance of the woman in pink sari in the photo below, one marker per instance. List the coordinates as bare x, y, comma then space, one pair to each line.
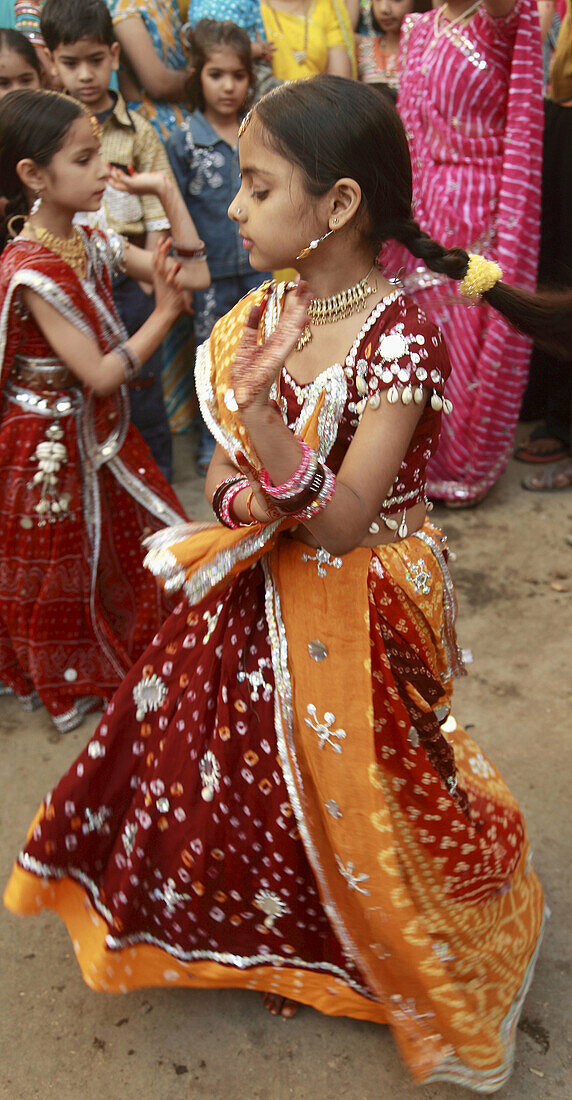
471, 100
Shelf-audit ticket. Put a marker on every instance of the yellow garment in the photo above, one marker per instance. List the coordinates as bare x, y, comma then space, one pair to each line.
326, 27
561, 68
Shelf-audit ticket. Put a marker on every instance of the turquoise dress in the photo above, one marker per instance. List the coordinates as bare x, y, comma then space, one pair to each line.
7, 16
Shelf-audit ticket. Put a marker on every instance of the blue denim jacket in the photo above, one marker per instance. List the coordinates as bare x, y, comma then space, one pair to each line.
206, 169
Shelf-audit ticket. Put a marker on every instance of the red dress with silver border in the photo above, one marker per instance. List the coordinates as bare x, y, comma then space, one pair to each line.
79, 492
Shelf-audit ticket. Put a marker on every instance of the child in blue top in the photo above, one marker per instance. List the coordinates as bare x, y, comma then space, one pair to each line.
246, 14
204, 157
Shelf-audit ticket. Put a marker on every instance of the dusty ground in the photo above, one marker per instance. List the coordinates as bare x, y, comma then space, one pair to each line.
514, 578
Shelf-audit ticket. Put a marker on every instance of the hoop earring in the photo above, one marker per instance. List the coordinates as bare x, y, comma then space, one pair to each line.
36, 204
313, 244
11, 227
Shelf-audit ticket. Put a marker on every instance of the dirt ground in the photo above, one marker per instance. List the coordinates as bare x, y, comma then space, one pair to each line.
513, 572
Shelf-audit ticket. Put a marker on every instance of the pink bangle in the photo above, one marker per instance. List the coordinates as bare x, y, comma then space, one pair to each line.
226, 513
297, 482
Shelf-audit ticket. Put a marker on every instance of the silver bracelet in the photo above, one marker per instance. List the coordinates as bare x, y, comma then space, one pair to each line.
130, 361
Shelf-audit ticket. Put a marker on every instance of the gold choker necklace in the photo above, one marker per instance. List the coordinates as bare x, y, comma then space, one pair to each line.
70, 249
325, 311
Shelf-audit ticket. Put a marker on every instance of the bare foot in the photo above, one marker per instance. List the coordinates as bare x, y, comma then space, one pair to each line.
550, 480
538, 449
279, 1006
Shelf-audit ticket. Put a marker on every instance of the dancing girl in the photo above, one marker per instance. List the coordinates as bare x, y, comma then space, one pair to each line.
279, 797
79, 487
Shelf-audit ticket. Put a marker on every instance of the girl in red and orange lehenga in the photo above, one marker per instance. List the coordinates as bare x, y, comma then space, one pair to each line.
79, 487
279, 797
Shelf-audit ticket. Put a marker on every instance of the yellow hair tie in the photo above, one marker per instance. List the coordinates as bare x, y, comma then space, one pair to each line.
481, 276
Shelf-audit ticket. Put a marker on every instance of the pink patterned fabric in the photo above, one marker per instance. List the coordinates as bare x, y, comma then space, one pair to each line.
471, 102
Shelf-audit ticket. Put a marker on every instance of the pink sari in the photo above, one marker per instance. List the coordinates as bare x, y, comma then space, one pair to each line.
471, 102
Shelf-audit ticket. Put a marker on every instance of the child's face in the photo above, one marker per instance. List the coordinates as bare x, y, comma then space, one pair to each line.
85, 69
272, 209
75, 177
16, 73
390, 13
224, 82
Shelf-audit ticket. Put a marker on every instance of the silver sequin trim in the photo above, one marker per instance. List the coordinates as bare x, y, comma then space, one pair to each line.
454, 656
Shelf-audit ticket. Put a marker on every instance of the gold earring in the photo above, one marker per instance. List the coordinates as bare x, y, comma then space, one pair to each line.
313, 244
335, 221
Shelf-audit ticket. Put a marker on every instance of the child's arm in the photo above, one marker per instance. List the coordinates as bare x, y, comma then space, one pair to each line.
353, 7
83, 356
155, 78
149, 155
194, 274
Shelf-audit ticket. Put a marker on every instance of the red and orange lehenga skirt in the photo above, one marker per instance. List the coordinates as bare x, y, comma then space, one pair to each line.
278, 798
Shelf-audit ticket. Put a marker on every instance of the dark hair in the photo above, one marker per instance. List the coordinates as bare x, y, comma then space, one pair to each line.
34, 125
209, 35
307, 122
13, 42
64, 22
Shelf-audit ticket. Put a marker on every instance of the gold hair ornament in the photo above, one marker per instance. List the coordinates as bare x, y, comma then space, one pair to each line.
482, 275
244, 123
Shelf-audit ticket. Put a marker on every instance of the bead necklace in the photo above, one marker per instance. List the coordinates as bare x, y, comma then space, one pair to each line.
451, 24
299, 56
70, 249
324, 311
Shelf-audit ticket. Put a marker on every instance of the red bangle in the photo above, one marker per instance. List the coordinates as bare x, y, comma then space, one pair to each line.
198, 253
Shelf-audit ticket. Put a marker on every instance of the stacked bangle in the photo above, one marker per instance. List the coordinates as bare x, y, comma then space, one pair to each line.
130, 361
223, 497
303, 496
297, 484
322, 499
307, 492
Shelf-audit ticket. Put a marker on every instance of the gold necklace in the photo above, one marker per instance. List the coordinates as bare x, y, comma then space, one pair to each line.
451, 24
325, 311
299, 56
70, 249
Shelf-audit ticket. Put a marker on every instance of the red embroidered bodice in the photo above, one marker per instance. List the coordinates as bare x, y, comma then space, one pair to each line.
400, 351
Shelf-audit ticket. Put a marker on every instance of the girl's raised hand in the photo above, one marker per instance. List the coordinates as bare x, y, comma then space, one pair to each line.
256, 366
170, 296
137, 183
